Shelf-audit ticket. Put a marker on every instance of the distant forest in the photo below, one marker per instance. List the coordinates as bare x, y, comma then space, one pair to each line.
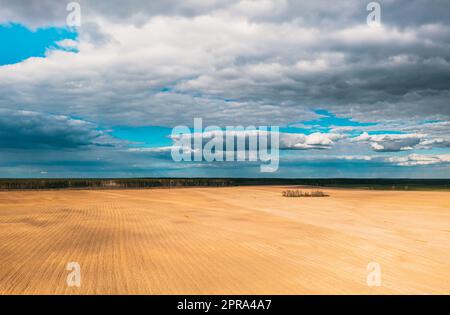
140, 183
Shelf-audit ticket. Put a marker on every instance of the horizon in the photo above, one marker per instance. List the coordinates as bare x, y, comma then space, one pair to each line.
237, 178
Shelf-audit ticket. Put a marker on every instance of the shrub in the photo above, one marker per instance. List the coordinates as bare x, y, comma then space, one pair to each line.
299, 193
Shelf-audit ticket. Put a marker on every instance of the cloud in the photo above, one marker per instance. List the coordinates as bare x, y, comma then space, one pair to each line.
32, 130
356, 157
420, 159
390, 142
287, 141
167, 61
437, 143
315, 140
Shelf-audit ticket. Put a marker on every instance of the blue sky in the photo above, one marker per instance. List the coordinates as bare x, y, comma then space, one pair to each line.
20, 43
100, 100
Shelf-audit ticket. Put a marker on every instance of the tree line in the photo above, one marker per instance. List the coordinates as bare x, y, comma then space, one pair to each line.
121, 183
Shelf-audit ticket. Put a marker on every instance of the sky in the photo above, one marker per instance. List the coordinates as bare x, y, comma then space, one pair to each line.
100, 99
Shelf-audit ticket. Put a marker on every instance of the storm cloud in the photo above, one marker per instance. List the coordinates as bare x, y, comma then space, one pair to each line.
270, 61
32, 130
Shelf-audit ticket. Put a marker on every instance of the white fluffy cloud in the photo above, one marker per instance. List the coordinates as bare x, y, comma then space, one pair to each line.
437, 143
420, 159
287, 141
390, 142
315, 140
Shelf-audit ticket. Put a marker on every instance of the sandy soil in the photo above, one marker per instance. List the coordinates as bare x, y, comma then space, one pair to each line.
239, 240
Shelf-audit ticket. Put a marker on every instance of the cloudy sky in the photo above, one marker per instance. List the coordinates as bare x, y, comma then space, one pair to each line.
101, 99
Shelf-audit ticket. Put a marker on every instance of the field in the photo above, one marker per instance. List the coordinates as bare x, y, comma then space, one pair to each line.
228, 240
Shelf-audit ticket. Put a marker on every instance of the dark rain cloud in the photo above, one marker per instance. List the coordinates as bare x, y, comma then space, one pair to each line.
33, 130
